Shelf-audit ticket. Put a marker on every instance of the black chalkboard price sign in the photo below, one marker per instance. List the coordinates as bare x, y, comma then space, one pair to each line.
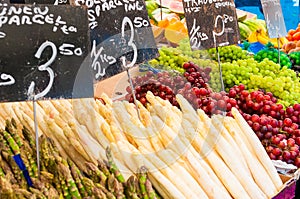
274, 18
44, 51
121, 35
211, 23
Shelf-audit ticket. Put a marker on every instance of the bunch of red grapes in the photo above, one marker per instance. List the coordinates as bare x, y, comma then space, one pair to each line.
278, 129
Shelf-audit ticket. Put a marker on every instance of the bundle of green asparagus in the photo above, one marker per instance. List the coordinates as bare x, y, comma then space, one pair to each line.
60, 177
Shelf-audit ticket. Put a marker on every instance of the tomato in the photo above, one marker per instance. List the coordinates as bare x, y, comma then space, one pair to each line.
296, 36
289, 37
291, 32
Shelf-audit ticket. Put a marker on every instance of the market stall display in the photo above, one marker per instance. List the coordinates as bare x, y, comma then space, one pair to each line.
184, 137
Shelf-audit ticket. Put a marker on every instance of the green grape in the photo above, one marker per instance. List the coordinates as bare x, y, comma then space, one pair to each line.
272, 55
229, 53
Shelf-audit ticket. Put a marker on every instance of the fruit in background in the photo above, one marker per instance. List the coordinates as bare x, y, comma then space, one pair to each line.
244, 30
262, 37
291, 46
176, 31
164, 3
175, 36
151, 6
158, 32
294, 34
272, 54
295, 59
255, 24
161, 14
177, 7
241, 15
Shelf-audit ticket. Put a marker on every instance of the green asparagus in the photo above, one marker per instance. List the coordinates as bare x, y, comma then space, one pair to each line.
113, 167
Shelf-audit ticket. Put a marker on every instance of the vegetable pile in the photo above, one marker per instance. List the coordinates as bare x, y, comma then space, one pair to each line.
60, 177
187, 154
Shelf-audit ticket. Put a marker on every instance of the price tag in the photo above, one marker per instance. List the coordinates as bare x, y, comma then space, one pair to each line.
274, 18
121, 35
211, 23
44, 50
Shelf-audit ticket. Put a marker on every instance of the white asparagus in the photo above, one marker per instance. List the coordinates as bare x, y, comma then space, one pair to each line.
225, 175
93, 148
87, 117
166, 157
259, 173
218, 122
225, 151
195, 169
260, 152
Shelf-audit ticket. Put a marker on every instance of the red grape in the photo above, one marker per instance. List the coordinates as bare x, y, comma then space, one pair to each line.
275, 140
287, 122
277, 151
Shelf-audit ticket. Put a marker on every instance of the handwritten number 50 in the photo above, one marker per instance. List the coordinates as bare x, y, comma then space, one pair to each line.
45, 67
126, 21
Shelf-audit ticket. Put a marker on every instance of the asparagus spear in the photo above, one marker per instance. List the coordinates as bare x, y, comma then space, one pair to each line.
48, 160
102, 166
88, 185
6, 191
9, 127
113, 167
14, 167
97, 193
11, 142
118, 189
131, 187
64, 187
23, 193
2, 174
70, 181
7, 153
77, 177
142, 176
38, 193
31, 163
95, 174
150, 191
29, 138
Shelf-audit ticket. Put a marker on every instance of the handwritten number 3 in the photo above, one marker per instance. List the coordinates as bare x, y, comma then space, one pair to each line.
45, 67
125, 21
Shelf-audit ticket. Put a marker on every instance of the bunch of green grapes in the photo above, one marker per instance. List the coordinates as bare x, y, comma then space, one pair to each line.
272, 54
173, 58
169, 59
229, 53
266, 75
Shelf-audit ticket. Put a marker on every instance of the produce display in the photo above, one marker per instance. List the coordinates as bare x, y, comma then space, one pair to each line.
184, 137
59, 176
187, 154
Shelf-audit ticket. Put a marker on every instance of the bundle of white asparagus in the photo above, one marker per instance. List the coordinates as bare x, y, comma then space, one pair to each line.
188, 154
